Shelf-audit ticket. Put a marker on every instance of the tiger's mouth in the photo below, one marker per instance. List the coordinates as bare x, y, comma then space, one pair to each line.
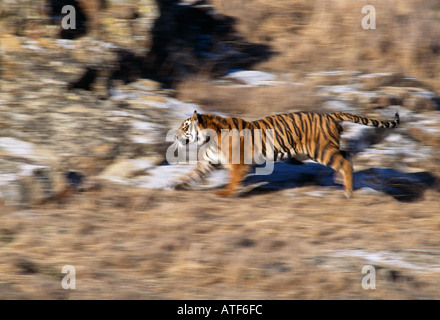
182, 140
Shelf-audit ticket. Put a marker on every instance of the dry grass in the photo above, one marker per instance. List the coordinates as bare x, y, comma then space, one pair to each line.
250, 102
327, 34
147, 244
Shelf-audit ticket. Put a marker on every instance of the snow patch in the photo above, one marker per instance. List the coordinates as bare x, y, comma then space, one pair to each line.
252, 78
17, 147
164, 177
425, 262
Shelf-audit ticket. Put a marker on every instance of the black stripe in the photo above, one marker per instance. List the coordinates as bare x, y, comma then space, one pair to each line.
308, 132
268, 122
315, 153
332, 158
325, 128
263, 139
281, 144
321, 154
278, 137
335, 138
335, 117
277, 124
303, 131
283, 134
300, 120
235, 121
288, 133
298, 131
316, 131
299, 128
290, 130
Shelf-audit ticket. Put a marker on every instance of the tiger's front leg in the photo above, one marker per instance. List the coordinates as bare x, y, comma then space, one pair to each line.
201, 171
237, 171
237, 174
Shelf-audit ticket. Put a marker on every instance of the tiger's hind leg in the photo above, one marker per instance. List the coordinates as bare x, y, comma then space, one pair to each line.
338, 162
337, 177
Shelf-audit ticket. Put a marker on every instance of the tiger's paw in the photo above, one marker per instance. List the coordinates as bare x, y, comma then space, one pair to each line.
180, 185
348, 194
223, 193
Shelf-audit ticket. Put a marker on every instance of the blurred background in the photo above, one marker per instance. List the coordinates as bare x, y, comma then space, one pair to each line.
84, 113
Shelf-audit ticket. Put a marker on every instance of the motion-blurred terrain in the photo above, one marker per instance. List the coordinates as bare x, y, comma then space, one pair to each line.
84, 115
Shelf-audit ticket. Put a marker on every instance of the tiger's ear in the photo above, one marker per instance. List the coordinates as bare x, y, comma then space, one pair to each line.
194, 117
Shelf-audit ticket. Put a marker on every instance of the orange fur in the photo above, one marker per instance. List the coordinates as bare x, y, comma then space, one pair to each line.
312, 134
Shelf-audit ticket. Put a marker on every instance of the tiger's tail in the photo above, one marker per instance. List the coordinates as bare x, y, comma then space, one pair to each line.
342, 116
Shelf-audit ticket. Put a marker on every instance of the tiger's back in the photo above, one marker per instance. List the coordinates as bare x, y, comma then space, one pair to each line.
301, 133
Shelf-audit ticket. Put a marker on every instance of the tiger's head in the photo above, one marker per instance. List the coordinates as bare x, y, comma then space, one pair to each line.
188, 131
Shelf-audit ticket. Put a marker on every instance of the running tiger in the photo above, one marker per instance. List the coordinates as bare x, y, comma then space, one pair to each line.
302, 133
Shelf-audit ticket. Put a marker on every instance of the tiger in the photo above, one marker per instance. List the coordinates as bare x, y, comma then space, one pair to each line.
315, 135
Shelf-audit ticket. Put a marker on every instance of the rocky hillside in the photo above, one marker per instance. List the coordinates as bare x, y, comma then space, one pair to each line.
53, 138
78, 112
